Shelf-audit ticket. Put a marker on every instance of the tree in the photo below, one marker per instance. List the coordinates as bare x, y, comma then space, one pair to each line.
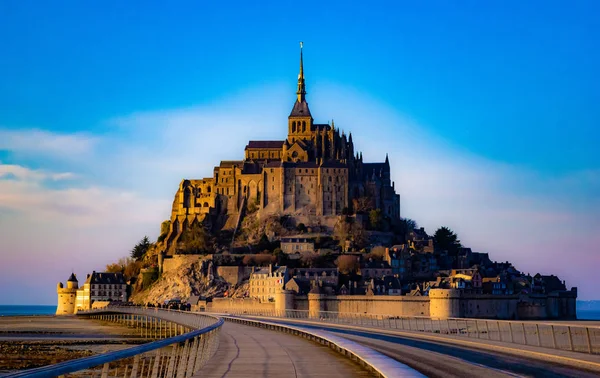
375, 218
362, 204
140, 248
348, 230
197, 239
377, 253
264, 243
126, 265
301, 228
347, 264
445, 239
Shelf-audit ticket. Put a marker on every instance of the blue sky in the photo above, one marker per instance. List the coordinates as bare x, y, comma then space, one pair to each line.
488, 110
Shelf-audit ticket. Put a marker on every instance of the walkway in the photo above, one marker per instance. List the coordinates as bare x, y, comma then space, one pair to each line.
246, 351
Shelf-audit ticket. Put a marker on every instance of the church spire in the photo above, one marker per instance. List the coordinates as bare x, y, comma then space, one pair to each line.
301, 87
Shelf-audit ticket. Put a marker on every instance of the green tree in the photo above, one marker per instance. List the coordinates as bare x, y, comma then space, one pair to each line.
445, 239
140, 248
197, 239
264, 243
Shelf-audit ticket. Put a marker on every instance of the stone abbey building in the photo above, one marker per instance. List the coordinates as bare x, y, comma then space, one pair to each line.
315, 171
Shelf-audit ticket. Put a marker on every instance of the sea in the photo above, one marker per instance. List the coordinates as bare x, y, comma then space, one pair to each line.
29, 310
26, 310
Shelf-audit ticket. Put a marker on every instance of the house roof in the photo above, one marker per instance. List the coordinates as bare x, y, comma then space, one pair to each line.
303, 284
72, 278
230, 163
104, 278
265, 144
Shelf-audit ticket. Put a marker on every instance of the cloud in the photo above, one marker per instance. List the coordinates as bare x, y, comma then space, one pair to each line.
25, 192
44, 143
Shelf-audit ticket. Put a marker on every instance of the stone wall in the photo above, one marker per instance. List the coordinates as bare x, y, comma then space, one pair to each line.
227, 304
381, 304
171, 263
234, 275
441, 303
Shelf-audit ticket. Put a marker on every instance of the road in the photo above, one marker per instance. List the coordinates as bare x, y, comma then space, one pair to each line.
438, 359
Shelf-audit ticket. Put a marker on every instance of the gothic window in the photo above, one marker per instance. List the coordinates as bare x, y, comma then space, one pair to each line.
205, 204
303, 126
273, 187
329, 178
294, 126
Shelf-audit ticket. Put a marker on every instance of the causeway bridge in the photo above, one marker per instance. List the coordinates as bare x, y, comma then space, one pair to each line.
293, 343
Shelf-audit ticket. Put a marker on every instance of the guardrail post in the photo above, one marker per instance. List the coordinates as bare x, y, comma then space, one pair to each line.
589, 340
570, 338
171, 368
134, 369
104, 370
156, 364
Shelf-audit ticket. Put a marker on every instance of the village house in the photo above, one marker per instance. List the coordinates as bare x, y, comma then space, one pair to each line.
101, 287
291, 245
266, 282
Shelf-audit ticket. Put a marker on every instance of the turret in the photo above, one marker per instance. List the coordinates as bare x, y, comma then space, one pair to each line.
67, 296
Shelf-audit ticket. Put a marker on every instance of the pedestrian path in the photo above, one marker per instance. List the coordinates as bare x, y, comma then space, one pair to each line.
246, 351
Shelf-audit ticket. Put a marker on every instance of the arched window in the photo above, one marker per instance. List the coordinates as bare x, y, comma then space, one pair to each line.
205, 204
208, 189
294, 126
303, 126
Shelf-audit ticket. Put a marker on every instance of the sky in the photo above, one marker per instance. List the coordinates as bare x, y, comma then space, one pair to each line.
488, 111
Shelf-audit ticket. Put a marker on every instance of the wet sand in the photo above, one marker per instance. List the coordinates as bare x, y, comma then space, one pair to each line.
34, 341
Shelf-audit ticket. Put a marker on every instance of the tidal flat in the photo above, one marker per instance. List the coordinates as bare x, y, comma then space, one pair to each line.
32, 341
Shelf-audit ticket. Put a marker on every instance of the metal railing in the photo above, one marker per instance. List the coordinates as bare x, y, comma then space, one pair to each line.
561, 336
186, 342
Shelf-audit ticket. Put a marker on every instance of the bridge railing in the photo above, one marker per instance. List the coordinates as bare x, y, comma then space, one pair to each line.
190, 340
563, 336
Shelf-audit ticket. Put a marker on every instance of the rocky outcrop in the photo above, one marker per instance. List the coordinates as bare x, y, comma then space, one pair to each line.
191, 278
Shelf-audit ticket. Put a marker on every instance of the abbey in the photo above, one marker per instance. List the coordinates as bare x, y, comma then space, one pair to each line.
315, 171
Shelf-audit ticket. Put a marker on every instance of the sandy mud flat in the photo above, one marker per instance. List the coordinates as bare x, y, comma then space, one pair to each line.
33, 341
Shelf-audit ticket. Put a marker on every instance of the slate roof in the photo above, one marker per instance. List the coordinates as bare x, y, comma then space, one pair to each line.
265, 144
230, 163
103, 278
300, 109
72, 278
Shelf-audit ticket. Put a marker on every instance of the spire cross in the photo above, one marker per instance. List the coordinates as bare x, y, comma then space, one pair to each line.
301, 88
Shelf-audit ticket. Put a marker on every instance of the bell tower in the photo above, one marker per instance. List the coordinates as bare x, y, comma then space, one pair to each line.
300, 121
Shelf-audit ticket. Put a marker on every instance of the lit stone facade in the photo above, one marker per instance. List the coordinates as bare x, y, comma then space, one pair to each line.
101, 286
315, 171
265, 283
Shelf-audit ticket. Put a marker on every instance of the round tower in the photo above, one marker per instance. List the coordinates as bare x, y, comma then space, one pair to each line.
67, 296
444, 303
284, 301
